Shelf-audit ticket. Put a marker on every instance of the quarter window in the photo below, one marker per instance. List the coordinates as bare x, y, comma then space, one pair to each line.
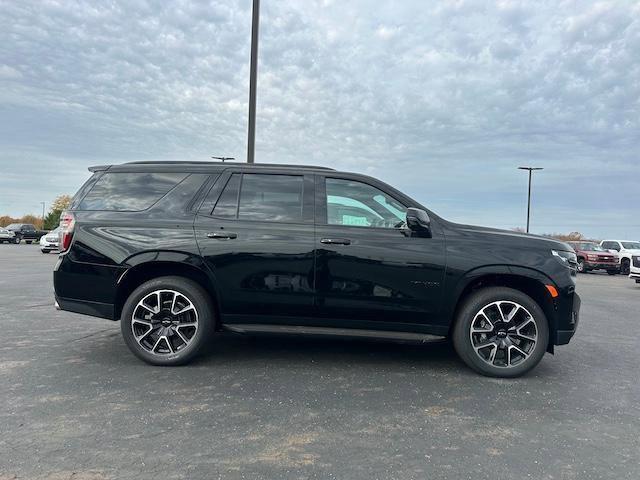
358, 204
132, 191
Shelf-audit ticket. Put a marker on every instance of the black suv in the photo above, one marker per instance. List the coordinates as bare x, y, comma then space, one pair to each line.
178, 251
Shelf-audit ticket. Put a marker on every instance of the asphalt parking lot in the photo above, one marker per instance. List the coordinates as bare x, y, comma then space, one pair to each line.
76, 404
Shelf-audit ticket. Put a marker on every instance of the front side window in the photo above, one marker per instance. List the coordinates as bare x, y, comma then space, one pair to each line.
129, 192
358, 204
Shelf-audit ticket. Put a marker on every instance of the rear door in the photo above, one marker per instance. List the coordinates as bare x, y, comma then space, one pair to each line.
371, 271
255, 231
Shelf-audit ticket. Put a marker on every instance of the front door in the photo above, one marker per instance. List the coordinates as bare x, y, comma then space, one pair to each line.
255, 232
370, 269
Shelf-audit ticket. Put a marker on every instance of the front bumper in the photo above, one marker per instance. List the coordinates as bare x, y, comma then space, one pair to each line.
564, 336
602, 266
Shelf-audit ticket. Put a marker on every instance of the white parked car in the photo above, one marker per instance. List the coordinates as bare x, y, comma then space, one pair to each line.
626, 250
634, 272
50, 241
7, 236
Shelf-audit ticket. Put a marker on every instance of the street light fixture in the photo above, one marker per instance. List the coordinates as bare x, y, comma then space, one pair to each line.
530, 169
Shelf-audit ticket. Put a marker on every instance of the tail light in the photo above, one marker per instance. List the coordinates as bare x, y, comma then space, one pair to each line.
67, 225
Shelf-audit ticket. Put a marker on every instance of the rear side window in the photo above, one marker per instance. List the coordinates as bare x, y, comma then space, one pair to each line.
227, 204
263, 197
129, 192
274, 198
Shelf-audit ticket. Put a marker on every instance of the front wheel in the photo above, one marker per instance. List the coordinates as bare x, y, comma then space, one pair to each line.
612, 272
501, 332
581, 267
17, 240
167, 321
625, 266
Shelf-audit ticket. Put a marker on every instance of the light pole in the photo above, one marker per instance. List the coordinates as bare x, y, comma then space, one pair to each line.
42, 215
253, 78
530, 169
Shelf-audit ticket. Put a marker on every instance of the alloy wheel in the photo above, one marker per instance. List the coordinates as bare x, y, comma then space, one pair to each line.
164, 322
503, 334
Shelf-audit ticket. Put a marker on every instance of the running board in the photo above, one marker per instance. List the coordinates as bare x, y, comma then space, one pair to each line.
332, 332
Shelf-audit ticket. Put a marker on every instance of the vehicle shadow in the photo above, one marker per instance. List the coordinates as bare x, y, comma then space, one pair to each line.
290, 349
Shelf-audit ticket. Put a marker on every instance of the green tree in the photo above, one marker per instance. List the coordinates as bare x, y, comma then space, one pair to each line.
52, 220
60, 204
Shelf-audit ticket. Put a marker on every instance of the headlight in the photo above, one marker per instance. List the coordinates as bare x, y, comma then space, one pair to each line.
568, 259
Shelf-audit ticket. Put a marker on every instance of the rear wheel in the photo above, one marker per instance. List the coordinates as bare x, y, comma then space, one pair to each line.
167, 321
28, 242
581, 267
612, 272
501, 332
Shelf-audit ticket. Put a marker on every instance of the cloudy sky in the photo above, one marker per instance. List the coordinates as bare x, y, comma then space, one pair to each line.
444, 100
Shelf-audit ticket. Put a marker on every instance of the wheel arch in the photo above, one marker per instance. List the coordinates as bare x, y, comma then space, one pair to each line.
174, 264
529, 281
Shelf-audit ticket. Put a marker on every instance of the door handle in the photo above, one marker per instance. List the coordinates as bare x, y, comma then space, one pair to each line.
222, 235
336, 241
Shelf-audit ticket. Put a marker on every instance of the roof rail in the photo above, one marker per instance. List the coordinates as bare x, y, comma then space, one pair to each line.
257, 165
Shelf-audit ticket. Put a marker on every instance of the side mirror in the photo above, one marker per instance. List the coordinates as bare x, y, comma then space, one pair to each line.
418, 220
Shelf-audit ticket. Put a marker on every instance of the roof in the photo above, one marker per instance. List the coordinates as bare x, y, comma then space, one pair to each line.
203, 166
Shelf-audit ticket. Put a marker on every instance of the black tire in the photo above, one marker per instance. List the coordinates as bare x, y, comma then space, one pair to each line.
17, 240
44, 251
612, 272
625, 266
581, 267
472, 306
28, 242
201, 302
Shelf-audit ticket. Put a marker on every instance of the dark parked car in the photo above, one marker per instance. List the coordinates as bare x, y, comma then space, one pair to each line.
592, 256
178, 251
25, 231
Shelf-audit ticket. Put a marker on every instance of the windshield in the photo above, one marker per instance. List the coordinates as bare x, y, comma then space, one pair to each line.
590, 247
631, 245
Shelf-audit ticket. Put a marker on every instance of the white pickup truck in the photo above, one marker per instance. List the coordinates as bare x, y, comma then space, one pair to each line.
629, 252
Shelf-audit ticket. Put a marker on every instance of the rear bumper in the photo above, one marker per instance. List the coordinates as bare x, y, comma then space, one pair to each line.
94, 309
86, 288
562, 337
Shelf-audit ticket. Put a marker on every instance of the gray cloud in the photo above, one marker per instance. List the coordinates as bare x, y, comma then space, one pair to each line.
442, 99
